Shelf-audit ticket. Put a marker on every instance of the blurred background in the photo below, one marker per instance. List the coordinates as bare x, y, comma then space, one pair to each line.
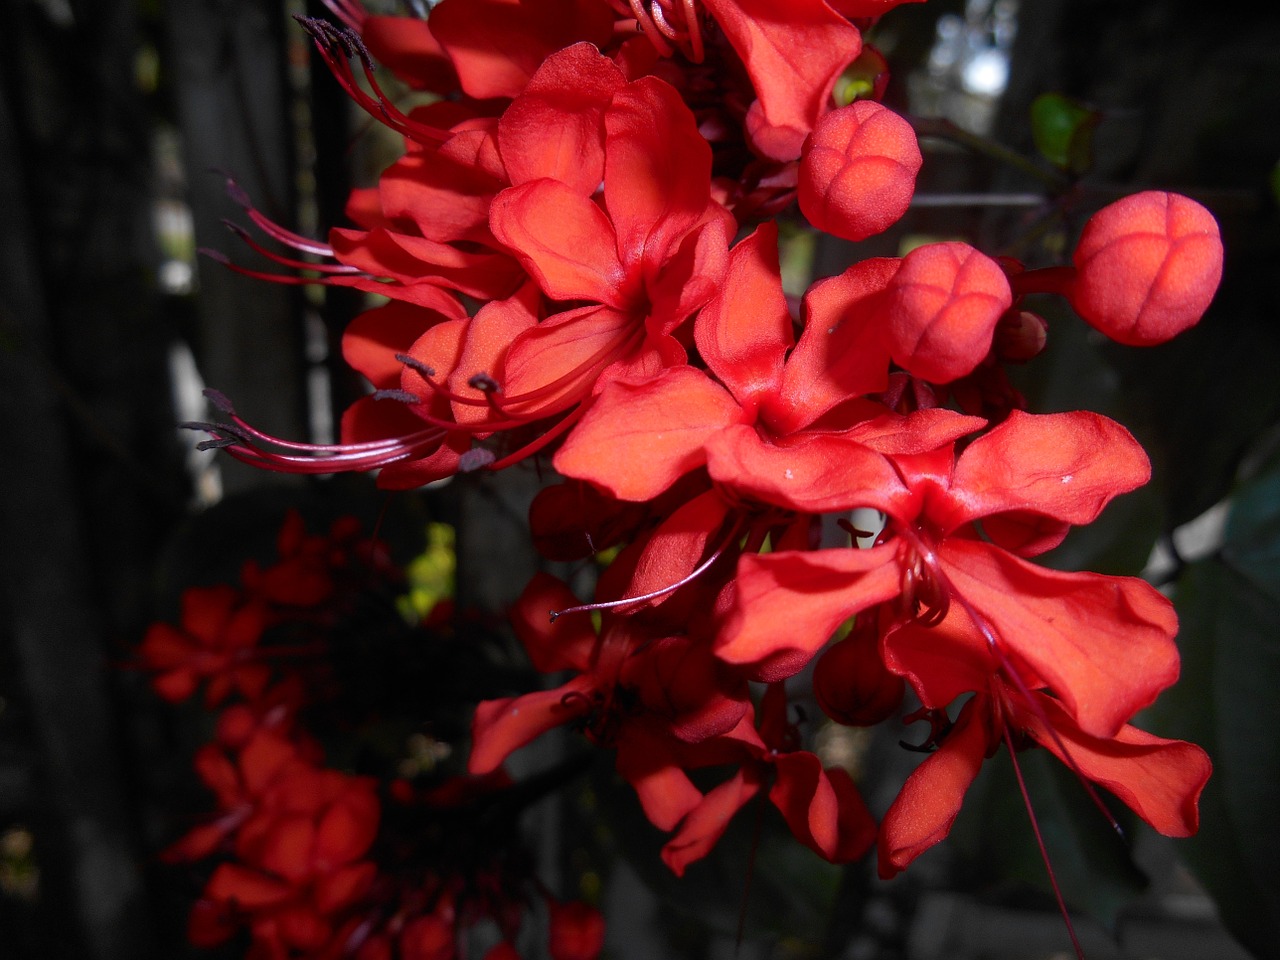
120, 123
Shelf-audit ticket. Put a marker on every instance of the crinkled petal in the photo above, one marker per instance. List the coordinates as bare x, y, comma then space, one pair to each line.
639, 438
793, 55
930, 800
812, 473
555, 128
1160, 780
1104, 645
1065, 466
790, 603
563, 239
657, 170
744, 333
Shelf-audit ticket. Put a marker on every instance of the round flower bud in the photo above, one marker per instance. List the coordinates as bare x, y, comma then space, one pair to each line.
1147, 267
858, 170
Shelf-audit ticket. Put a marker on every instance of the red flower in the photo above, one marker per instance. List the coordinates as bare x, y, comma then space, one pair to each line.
821, 806
215, 643
1103, 645
1159, 779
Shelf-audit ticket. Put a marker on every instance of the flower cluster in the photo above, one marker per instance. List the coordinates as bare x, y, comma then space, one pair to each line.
578, 259
302, 859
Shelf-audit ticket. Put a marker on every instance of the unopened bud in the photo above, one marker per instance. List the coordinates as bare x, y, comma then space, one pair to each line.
1020, 335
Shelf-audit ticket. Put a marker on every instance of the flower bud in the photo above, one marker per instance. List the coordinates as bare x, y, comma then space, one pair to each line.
858, 170
1147, 267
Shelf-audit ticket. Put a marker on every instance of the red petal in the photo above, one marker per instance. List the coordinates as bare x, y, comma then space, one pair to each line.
347, 828
1161, 780
1147, 267
646, 762
484, 348
637, 439
706, 823
555, 128
944, 303
249, 889
1104, 645
744, 333
287, 848
577, 931
563, 240
557, 363
566, 644
1067, 466
793, 61
840, 353
503, 726
858, 171
371, 341
814, 473
789, 604
498, 45
822, 807
406, 46
930, 799
657, 171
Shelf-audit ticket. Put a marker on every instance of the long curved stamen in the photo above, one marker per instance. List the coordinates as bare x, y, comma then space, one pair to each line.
250, 445
268, 226
1035, 828
650, 29
696, 49
660, 21
247, 238
337, 47
350, 12
943, 584
536, 445
700, 569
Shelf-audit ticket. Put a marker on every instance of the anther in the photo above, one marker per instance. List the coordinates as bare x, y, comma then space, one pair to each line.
485, 383
417, 366
404, 396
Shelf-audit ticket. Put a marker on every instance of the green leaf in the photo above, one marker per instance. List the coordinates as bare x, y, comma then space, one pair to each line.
1062, 129
1226, 702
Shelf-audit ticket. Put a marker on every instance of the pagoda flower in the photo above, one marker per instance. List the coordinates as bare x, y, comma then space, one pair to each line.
769, 400
636, 687
614, 276
1158, 779
821, 806
958, 529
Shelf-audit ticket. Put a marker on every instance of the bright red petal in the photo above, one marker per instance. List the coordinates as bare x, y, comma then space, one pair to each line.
793, 58
1104, 645
555, 128
814, 473
744, 333
1066, 466
562, 239
790, 603
930, 799
657, 172
1161, 780
639, 438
